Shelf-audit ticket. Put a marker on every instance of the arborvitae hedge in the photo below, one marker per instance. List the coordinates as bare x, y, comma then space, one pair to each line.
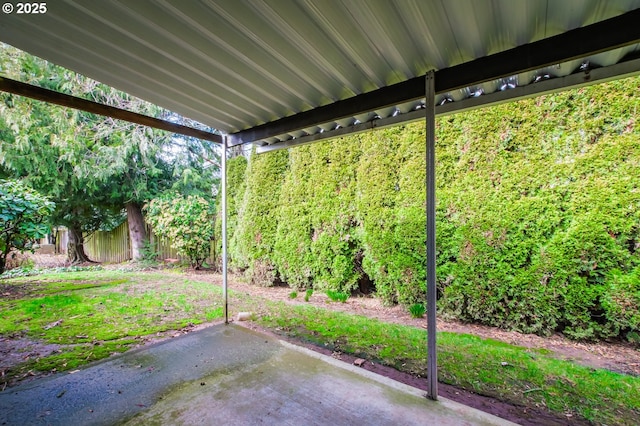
538, 214
292, 254
391, 208
318, 235
255, 236
236, 170
541, 197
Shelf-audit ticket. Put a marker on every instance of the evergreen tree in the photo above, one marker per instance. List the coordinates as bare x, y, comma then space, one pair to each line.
94, 167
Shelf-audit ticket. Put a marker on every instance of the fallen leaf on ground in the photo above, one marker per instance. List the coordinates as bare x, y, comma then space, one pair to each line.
53, 324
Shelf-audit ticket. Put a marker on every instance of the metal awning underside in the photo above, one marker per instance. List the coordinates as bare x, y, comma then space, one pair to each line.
279, 72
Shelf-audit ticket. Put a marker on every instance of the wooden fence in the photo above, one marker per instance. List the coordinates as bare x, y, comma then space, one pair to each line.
109, 246
161, 246
114, 246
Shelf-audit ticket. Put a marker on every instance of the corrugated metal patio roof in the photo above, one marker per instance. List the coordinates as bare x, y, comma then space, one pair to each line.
252, 68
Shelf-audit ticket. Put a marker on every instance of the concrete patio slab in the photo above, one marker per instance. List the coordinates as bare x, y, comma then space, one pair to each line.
229, 375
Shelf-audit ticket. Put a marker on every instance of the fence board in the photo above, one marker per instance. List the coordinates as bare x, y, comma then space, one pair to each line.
114, 246
109, 246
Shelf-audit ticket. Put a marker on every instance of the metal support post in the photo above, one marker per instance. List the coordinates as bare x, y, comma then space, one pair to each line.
224, 228
432, 361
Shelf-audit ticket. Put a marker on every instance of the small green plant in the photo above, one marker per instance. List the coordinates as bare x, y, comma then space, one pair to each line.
417, 310
18, 272
337, 296
149, 253
633, 337
308, 294
28, 264
293, 295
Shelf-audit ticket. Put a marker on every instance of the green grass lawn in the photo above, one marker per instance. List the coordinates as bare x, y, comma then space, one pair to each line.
509, 373
90, 315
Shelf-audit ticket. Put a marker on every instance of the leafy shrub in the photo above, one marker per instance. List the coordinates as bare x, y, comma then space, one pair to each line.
317, 238
293, 295
537, 218
187, 222
391, 199
149, 253
633, 337
23, 215
621, 303
236, 174
534, 251
261, 273
417, 310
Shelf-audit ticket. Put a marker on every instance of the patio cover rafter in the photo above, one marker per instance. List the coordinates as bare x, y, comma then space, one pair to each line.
62, 99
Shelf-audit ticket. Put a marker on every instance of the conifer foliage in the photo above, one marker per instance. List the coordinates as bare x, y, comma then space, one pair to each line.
538, 214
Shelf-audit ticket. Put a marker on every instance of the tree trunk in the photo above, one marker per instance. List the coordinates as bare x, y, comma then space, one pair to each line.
75, 248
53, 237
137, 230
3, 262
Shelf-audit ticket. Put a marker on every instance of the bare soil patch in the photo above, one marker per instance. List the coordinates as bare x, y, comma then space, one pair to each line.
15, 350
14, 291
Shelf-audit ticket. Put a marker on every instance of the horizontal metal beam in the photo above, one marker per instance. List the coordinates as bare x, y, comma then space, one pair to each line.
543, 87
62, 99
573, 81
579, 43
343, 131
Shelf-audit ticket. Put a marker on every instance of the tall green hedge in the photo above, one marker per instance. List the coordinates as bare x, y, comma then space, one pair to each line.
538, 214
292, 253
236, 170
254, 239
318, 242
391, 206
540, 198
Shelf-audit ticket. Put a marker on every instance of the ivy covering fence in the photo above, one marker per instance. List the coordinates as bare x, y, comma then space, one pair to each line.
538, 214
